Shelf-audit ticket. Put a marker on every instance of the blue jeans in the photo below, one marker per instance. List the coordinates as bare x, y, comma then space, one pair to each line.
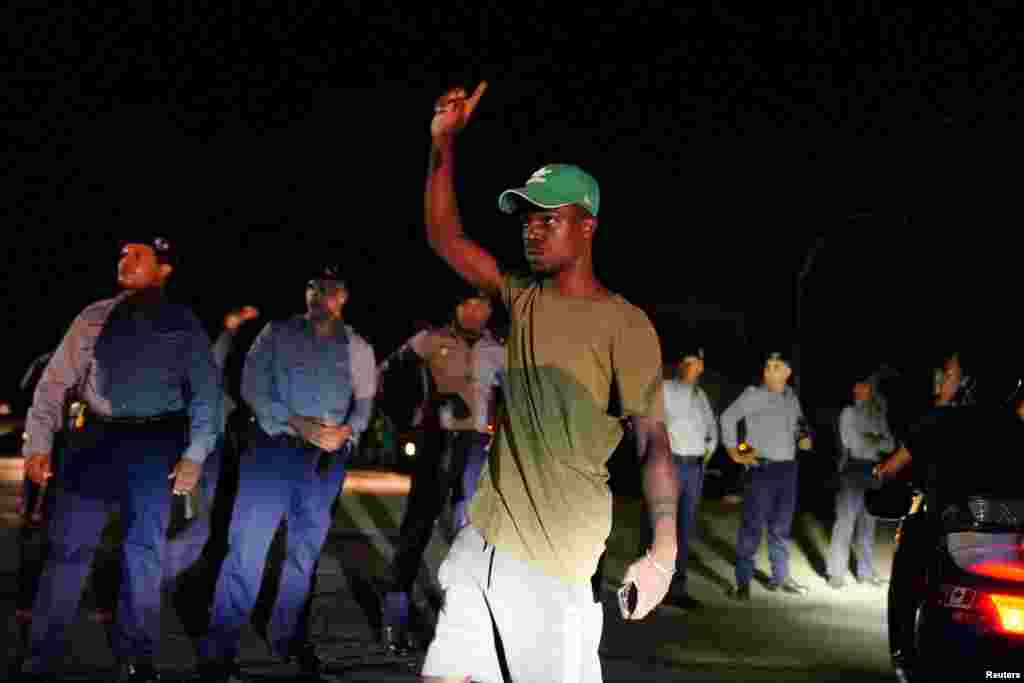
850, 512
768, 502
276, 479
690, 473
125, 466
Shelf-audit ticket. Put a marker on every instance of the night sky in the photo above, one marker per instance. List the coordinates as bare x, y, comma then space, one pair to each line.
726, 140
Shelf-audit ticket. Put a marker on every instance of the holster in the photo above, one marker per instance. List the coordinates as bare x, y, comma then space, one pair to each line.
81, 431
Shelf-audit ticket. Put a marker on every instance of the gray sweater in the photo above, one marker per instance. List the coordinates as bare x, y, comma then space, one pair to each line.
772, 420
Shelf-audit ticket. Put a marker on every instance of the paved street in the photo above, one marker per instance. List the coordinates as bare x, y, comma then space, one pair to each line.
826, 635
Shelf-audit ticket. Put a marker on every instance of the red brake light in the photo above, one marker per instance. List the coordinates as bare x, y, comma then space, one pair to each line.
1003, 570
1010, 610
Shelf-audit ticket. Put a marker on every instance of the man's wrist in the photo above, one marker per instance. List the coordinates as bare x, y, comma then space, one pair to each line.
441, 151
664, 548
667, 570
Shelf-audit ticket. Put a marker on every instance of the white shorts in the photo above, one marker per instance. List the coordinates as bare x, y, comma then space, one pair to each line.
548, 631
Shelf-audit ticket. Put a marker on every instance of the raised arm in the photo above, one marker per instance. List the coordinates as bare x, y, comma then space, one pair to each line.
444, 225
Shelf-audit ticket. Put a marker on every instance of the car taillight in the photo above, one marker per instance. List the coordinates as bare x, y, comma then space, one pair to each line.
992, 612
1010, 613
1003, 570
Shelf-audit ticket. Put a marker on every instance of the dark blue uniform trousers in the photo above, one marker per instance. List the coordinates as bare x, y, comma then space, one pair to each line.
276, 479
690, 473
182, 550
451, 463
473, 447
125, 466
850, 512
768, 502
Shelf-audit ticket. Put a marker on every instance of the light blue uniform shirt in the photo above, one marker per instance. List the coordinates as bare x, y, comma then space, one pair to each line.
772, 422
290, 371
131, 361
855, 423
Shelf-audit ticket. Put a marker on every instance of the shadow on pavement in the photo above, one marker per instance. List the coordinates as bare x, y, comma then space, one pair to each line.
727, 551
724, 548
699, 566
805, 541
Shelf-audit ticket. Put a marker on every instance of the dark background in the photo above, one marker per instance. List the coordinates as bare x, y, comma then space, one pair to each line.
264, 139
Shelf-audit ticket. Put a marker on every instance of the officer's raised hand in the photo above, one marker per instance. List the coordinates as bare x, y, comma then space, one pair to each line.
453, 111
186, 476
37, 467
234, 319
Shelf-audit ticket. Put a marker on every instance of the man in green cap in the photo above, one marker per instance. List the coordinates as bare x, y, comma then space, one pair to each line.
518, 599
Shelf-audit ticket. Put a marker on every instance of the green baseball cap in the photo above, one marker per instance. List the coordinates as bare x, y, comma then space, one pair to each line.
553, 186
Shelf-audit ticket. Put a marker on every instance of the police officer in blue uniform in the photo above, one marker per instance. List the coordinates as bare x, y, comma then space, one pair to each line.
864, 436
151, 395
310, 382
184, 546
775, 431
466, 365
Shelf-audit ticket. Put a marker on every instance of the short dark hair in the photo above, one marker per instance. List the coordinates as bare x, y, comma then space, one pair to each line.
330, 272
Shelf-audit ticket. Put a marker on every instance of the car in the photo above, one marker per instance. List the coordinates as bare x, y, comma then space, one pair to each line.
956, 596
12, 428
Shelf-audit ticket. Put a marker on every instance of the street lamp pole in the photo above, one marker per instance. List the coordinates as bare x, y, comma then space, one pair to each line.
809, 258
811, 255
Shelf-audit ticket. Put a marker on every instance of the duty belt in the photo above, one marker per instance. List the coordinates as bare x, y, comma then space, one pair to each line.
294, 441
140, 421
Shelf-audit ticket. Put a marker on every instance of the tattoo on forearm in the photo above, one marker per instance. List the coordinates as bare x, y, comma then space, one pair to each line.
435, 159
662, 508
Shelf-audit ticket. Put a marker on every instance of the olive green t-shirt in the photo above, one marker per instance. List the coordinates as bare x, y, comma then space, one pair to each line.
543, 495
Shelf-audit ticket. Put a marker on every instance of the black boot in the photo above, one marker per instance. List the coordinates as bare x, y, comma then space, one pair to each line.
311, 667
18, 676
137, 672
220, 671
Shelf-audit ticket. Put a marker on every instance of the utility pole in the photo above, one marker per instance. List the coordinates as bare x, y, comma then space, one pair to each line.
805, 270
812, 254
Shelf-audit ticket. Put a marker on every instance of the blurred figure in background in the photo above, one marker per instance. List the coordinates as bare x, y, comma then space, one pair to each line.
865, 435
465, 364
693, 437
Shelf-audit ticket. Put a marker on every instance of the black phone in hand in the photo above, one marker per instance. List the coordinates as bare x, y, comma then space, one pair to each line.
627, 599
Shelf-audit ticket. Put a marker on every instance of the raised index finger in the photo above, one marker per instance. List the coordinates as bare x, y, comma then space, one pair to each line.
475, 97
